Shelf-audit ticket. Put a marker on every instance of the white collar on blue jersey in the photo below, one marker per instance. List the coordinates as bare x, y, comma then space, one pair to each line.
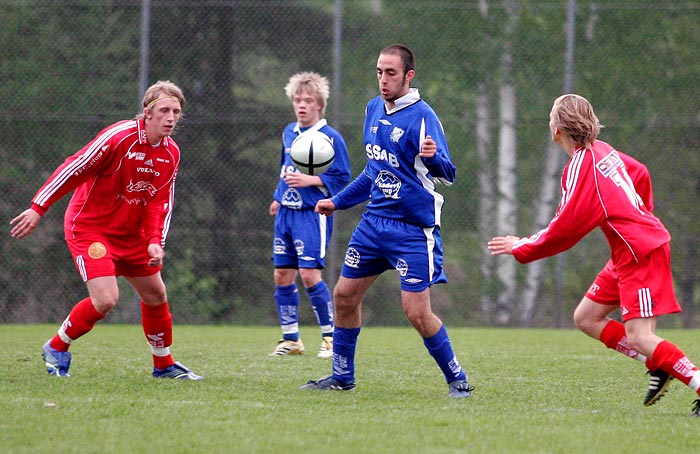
321, 123
406, 100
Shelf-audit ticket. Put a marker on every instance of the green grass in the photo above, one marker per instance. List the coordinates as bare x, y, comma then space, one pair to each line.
537, 391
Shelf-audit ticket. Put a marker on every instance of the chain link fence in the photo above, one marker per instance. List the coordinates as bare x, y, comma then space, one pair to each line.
69, 68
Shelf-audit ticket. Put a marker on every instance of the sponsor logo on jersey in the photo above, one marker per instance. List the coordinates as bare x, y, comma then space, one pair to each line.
136, 155
141, 186
292, 199
89, 164
167, 161
609, 164
384, 121
376, 153
352, 258
402, 267
396, 134
149, 162
389, 184
299, 247
373, 129
148, 170
278, 246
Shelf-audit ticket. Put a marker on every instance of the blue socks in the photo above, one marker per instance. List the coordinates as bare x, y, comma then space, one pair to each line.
440, 349
322, 303
344, 344
287, 299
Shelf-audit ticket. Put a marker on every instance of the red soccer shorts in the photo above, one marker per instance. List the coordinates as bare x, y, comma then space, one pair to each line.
605, 288
646, 287
96, 255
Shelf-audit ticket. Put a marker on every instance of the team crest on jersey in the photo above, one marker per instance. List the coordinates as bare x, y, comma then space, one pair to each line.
402, 267
609, 164
292, 199
389, 184
352, 257
396, 134
278, 246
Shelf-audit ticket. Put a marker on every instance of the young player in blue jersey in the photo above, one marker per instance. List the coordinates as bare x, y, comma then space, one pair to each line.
406, 153
302, 235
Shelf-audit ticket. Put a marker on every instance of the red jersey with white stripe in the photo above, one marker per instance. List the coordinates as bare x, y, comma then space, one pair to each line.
597, 191
124, 186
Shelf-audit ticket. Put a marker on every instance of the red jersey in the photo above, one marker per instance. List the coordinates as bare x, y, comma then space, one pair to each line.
597, 191
124, 186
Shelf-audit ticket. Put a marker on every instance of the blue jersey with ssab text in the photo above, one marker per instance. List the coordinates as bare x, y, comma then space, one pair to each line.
399, 183
334, 179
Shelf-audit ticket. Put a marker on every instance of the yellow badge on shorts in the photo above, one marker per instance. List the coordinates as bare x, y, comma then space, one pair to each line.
97, 250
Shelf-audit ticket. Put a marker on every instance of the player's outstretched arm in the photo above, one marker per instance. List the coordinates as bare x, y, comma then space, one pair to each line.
25, 223
325, 206
500, 245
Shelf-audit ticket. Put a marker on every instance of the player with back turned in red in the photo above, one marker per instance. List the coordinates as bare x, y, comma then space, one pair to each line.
597, 191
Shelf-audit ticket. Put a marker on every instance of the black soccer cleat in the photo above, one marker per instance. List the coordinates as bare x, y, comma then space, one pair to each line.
329, 383
696, 408
658, 385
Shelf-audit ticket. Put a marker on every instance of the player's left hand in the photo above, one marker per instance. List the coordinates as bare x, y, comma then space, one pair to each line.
429, 148
157, 253
502, 244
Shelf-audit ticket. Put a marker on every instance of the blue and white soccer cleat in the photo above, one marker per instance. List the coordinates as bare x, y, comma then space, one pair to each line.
57, 363
328, 382
176, 371
460, 388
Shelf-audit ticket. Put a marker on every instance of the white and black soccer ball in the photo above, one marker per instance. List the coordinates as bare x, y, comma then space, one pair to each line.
312, 152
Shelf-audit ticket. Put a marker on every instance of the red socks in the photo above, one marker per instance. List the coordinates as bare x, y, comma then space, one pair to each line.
671, 359
158, 327
614, 336
80, 321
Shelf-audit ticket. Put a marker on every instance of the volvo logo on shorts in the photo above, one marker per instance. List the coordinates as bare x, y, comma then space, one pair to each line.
389, 184
278, 246
292, 199
299, 246
352, 257
402, 267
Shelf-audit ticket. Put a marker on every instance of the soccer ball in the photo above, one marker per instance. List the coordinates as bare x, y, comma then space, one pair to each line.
312, 152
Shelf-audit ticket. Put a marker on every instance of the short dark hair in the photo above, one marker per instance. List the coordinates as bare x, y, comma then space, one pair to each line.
407, 58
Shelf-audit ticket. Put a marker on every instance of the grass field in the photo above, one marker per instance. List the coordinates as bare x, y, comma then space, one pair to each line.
537, 391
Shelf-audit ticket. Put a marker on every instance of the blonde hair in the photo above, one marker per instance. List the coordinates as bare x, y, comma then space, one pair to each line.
573, 115
159, 90
314, 83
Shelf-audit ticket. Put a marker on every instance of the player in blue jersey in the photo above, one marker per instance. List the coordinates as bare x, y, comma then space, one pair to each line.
406, 154
302, 235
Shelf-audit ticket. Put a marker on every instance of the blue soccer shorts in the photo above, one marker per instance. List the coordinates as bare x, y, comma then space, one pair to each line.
301, 238
379, 244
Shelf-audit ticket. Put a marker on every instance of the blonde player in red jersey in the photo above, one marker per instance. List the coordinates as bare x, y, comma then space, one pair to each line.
116, 224
597, 191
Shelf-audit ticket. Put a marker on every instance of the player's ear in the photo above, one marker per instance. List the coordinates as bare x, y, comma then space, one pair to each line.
410, 74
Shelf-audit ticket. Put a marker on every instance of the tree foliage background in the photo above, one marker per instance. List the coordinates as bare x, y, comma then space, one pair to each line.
69, 68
